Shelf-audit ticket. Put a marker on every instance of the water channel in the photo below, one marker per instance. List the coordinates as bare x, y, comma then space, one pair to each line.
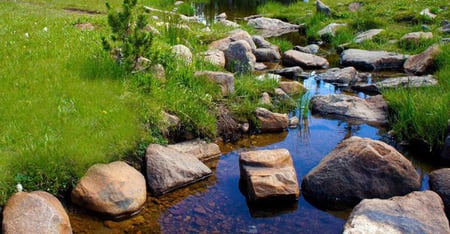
216, 205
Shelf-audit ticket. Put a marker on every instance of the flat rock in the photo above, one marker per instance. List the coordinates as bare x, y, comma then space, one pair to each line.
341, 77
168, 169
269, 175
310, 49
371, 110
35, 212
367, 35
359, 168
224, 79
267, 55
407, 81
292, 87
293, 58
116, 190
239, 57
417, 212
372, 60
416, 36
440, 183
422, 63
271, 122
272, 27
201, 149
292, 73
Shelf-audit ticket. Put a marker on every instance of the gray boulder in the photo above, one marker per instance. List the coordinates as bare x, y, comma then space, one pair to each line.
310, 49
224, 79
292, 73
182, 52
359, 168
269, 175
367, 35
322, 8
422, 63
260, 42
417, 212
267, 55
271, 122
239, 57
330, 29
440, 183
372, 110
234, 35
293, 58
372, 60
407, 82
341, 77
35, 212
168, 169
272, 27
201, 149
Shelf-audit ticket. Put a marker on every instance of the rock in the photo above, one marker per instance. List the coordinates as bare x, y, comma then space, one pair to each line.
171, 120
310, 49
322, 8
292, 87
407, 81
281, 94
265, 99
342, 77
235, 35
177, 3
239, 57
293, 122
271, 122
367, 35
224, 79
359, 168
272, 27
260, 42
426, 12
116, 190
200, 149
330, 29
227, 127
216, 57
267, 55
354, 6
293, 73
228, 23
416, 36
222, 16
182, 52
142, 64
269, 175
445, 27
158, 72
417, 212
296, 58
151, 29
34, 212
422, 63
440, 183
168, 169
260, 66
373, 60
366, 88
371, 110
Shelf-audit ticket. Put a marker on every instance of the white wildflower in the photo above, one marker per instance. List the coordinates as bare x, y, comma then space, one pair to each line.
19, 187
45, 29
26, 35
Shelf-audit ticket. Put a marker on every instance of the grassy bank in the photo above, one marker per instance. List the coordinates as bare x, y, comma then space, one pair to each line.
416, 113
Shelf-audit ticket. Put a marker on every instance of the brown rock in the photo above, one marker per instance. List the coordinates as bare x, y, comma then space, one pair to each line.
359, 168
271, 122
422, 63
265, 99
296, 58
440, 183
215, 57
202, 150
292, 87
417, 212
116, 190
35, 212
224, 79
168, 169
269, 174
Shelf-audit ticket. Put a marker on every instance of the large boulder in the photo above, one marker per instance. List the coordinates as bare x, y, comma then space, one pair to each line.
359, 168
239, 57
371, 110
271, 122
224, 79
440, 183
116, 190
417, 212
341, 77
269, 175
293, 58
267, 55
182, 52
201, 149
422, 63
372, 60
168, 169
367, 35
34, 212
272, 27
293, 73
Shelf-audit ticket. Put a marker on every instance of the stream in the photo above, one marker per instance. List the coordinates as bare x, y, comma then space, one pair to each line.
216, 205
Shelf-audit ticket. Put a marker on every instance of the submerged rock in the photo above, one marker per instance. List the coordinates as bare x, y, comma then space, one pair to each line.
269, 175
272, 27
417, 212
422, 63
371, 110
271, 122
440, 183
359, 168
372, 60
116, 190
296, 58
168, 169
202, 150
224, 79
34, 212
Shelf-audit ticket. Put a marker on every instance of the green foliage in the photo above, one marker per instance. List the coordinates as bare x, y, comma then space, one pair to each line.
283, 44
186, 9
129, 37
